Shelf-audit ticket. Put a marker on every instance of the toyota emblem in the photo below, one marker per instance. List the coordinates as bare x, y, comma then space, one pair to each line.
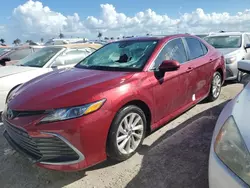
10, 114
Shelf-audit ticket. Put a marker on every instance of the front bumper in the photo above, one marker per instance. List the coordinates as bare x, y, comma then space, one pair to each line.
50, 149
69, 145
220, 176
231, 71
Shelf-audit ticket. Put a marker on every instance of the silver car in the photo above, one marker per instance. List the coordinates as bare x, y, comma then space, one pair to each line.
229, 161
235, 47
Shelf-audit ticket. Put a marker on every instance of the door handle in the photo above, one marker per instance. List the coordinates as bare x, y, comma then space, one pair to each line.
189, 69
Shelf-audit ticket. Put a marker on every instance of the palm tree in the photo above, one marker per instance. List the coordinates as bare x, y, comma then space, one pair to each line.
2, 41
112, 38
99, 35
118, 38
106, 38
42, 40
17, 41
61, 35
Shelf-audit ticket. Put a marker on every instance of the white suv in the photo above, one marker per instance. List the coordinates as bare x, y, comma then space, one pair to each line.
235, 47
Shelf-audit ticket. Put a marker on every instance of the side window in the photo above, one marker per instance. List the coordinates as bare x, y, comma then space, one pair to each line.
195, 48
204, 48
174, 50
74, 56
246, 39
20, 54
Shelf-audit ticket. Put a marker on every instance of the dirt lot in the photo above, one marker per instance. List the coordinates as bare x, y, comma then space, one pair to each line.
173, 156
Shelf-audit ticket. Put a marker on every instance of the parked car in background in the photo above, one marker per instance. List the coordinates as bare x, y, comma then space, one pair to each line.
102, 107
17, 53
202, 36
43, 61
64, 41
4, 50
235, 47
229, 161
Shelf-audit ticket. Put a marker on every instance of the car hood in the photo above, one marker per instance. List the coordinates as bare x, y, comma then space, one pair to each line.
226, 51
65, 88
240, 113
10, 70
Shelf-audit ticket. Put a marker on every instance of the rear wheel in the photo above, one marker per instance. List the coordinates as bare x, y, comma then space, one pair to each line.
215, 87
126, 133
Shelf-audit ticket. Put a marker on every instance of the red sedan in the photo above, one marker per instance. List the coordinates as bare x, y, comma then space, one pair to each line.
102, 108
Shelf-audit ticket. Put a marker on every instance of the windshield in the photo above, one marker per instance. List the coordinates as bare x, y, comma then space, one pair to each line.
230, 41
120, 56
39, 58
3, 51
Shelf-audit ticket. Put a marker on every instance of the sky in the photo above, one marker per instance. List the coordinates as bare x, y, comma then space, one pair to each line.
33, 20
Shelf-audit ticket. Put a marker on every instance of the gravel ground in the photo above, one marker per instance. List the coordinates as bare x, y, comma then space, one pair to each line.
174, 156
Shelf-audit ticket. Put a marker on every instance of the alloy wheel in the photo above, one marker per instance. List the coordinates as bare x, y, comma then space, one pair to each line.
216, 86
130, 133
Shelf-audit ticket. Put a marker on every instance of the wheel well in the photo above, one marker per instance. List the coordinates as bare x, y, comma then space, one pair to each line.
142, 105
221, 72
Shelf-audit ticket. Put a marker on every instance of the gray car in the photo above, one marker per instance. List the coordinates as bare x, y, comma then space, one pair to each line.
229, 160
235, 47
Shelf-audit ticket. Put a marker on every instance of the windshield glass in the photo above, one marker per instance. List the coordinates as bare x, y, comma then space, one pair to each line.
120, 56
39, 58
230, 41
3, 51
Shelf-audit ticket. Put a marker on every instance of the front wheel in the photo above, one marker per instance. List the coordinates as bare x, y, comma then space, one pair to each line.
126, 133
215, 87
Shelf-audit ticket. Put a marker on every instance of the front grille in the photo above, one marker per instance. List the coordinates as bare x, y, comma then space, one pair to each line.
26, 113
50, 150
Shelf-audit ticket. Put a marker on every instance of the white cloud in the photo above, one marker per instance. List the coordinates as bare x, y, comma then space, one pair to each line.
34, 20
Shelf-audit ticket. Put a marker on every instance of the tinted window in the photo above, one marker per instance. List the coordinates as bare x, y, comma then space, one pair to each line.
20, 54
195, 48
174, 50
204, 48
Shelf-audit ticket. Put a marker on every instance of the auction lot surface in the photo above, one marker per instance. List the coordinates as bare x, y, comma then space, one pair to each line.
173, 156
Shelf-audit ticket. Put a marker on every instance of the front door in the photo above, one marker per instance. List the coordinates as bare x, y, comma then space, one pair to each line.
173, 90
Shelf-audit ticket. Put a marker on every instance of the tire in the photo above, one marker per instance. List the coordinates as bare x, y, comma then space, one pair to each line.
239, 77
214, 95
118, 130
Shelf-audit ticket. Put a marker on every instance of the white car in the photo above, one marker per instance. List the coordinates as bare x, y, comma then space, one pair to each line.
229, 161
235, 46
45, 60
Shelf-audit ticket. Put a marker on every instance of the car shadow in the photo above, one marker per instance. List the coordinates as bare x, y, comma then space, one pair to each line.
179, 158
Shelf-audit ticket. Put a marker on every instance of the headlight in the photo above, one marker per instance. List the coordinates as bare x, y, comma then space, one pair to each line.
231, 149
72, 112
231, 60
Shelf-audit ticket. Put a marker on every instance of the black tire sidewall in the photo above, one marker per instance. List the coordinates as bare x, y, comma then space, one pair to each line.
211, 95
112, 149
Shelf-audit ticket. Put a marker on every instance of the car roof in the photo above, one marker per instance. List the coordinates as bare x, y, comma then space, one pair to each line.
156, 37
226, 33
79, 45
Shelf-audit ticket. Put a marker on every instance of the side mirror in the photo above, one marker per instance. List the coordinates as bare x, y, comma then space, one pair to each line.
3, 61
169, 65
58, 62
247, 46
244, 66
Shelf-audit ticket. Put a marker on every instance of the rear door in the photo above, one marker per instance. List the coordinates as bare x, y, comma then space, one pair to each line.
202, 65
